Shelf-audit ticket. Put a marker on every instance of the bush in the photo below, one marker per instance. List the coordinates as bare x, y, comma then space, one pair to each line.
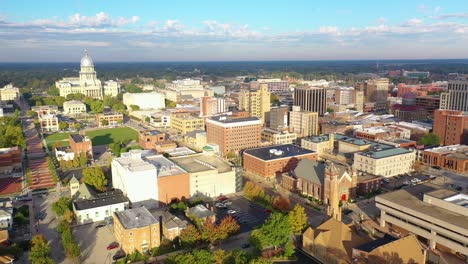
71, 248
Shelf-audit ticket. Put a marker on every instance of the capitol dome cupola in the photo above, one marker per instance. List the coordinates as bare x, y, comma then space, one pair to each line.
86, 60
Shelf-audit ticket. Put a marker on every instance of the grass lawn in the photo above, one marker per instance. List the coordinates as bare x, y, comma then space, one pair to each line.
62, 137
111, 135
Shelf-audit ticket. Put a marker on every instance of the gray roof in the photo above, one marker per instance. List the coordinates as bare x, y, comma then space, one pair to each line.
84, 192
228, 119
193, 134
200, 211
136, 218
99, 200
310, 170
169, 220
77, 137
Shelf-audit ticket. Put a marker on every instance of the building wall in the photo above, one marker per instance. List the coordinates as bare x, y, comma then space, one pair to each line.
10, 160
304, 124
113, 119
152, 100
49, 123
186, 123
74, 108
345, 147
97, 214
447, 162
269, 168
173, 187
312, 99
279, 119
279, 138
257, 103
233, 138
212, 184
451, 127
370, 185
386, 167
79, 147
456, 98
133, 239
148, 141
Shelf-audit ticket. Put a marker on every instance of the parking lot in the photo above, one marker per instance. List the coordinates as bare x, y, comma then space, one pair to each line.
401, 181
93, 243
248, 214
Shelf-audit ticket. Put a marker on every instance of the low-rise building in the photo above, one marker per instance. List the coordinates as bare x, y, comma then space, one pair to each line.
91, 207
268, 161
171, 225
201, 213
6, 214
74, 107
9, 93
453, 158
386, 163
148, 139
64, 153
196, 139
136, 229
368, 183
153, 100
185, 122
148, 179
45, 109
428, 211
48, 122
278, 137
109, 119
320, 144
81, 144
11, 160
210, 175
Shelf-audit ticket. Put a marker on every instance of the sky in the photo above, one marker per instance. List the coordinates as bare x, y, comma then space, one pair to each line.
235, 30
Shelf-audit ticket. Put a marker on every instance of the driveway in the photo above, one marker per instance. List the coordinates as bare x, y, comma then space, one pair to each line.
93, 243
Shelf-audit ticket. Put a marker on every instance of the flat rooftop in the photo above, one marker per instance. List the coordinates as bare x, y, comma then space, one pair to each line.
318, 139
412, 198
379, 154
227, 120
202, 162
147, 160
77, 138
136, 218
100, 200
277, 152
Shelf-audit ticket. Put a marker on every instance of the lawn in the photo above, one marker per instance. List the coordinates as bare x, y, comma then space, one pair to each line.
62, 137
111, 135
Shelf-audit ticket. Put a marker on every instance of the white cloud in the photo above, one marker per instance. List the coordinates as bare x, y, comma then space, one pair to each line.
437, 9
173, 26
455, 15
413, 22
329, 30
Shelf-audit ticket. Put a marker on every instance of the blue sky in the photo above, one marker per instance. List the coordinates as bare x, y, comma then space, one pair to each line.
232, 30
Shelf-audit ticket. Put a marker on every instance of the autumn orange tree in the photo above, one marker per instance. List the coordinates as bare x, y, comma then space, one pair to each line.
227, 227
190, 236
281, 203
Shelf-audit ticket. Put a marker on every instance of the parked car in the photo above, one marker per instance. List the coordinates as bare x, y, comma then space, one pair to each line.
24, 199
41, 216
120, 254
231, 212
222, 198
112, 245
386, 180
100, 225
406, 183
227, 202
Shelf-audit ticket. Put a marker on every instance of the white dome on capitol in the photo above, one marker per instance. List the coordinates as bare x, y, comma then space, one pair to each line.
86, 60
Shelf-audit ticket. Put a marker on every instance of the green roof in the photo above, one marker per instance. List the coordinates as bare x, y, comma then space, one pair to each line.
385, 153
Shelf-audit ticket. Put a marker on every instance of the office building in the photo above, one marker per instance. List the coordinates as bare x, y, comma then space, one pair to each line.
87, 84
453, 158
303, 123
278, 137
136, 229
275, 85
233, 134
74, 108
386, 163
9, 93
428, 211
429, 103
416, 74
153, 100
210, 106
451, 126
109, 119
311, 99
377, 91
456, 98
148, 179
209, 175
279, 118
48, 122
257, 103
196, 139
186, 122
268, 161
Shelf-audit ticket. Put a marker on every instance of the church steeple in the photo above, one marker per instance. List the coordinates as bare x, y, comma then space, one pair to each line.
333, 209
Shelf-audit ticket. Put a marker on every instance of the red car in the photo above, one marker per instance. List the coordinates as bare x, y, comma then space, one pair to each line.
112, 246
222, 198
267, 211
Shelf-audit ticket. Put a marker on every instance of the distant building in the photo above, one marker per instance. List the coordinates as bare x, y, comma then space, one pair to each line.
74, 107
185, 122
209, 175
303, 123
149, 138
153, 100
311, 99
11, 161
415, 74
48, 122
429, 103
112, 119
268, 161
136, 229
257, 103
430, 212
9, 93
279, 118
188, 87
377, 91
278, 137
386, 163
451, 126
275, 85
453, 158
320, 144
196, 139
457, 95
81, 144
219, 89
210, 106
233, 134
91, 207
87, 84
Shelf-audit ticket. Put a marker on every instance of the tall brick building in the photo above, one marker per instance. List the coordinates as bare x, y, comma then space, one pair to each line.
451, 126
79, 144
234, 134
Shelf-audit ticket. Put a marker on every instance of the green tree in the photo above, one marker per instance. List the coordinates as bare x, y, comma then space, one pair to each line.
61, 206
77, 126
63, 125
31, 113
147, 119
75, 96
97, 107
274, 232
132, 88
83, 159
297, 219
329, 110
59, 100
118, 107
108, 101
274, 99
429, 139
134, 107
170, 104
115, 148
227, 227
40, 251
53, 91
104, 122
76, 161
94, 176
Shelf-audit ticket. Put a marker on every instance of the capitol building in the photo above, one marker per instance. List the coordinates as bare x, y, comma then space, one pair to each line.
87, 84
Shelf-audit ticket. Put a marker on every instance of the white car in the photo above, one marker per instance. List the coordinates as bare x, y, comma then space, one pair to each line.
227, 203
231, 212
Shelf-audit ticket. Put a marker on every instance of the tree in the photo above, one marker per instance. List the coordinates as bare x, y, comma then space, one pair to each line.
274, 100
210, 232
115, 148
63, 125
119, 107
97, 107
190, 236
297, 219
76, 161
252, 190
274, 232
61, 206
53, 91
83, 159
31, 113
40, 251
75, 96
68, 216
134, 107
282, 204
430, 139
132, 88
59, 100
104, 122
227, 227
147, 119
170, 104
56, 145
77, 126
108, 101
94, 176
329, 110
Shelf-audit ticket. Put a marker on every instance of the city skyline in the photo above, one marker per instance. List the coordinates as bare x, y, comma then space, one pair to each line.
233, 31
